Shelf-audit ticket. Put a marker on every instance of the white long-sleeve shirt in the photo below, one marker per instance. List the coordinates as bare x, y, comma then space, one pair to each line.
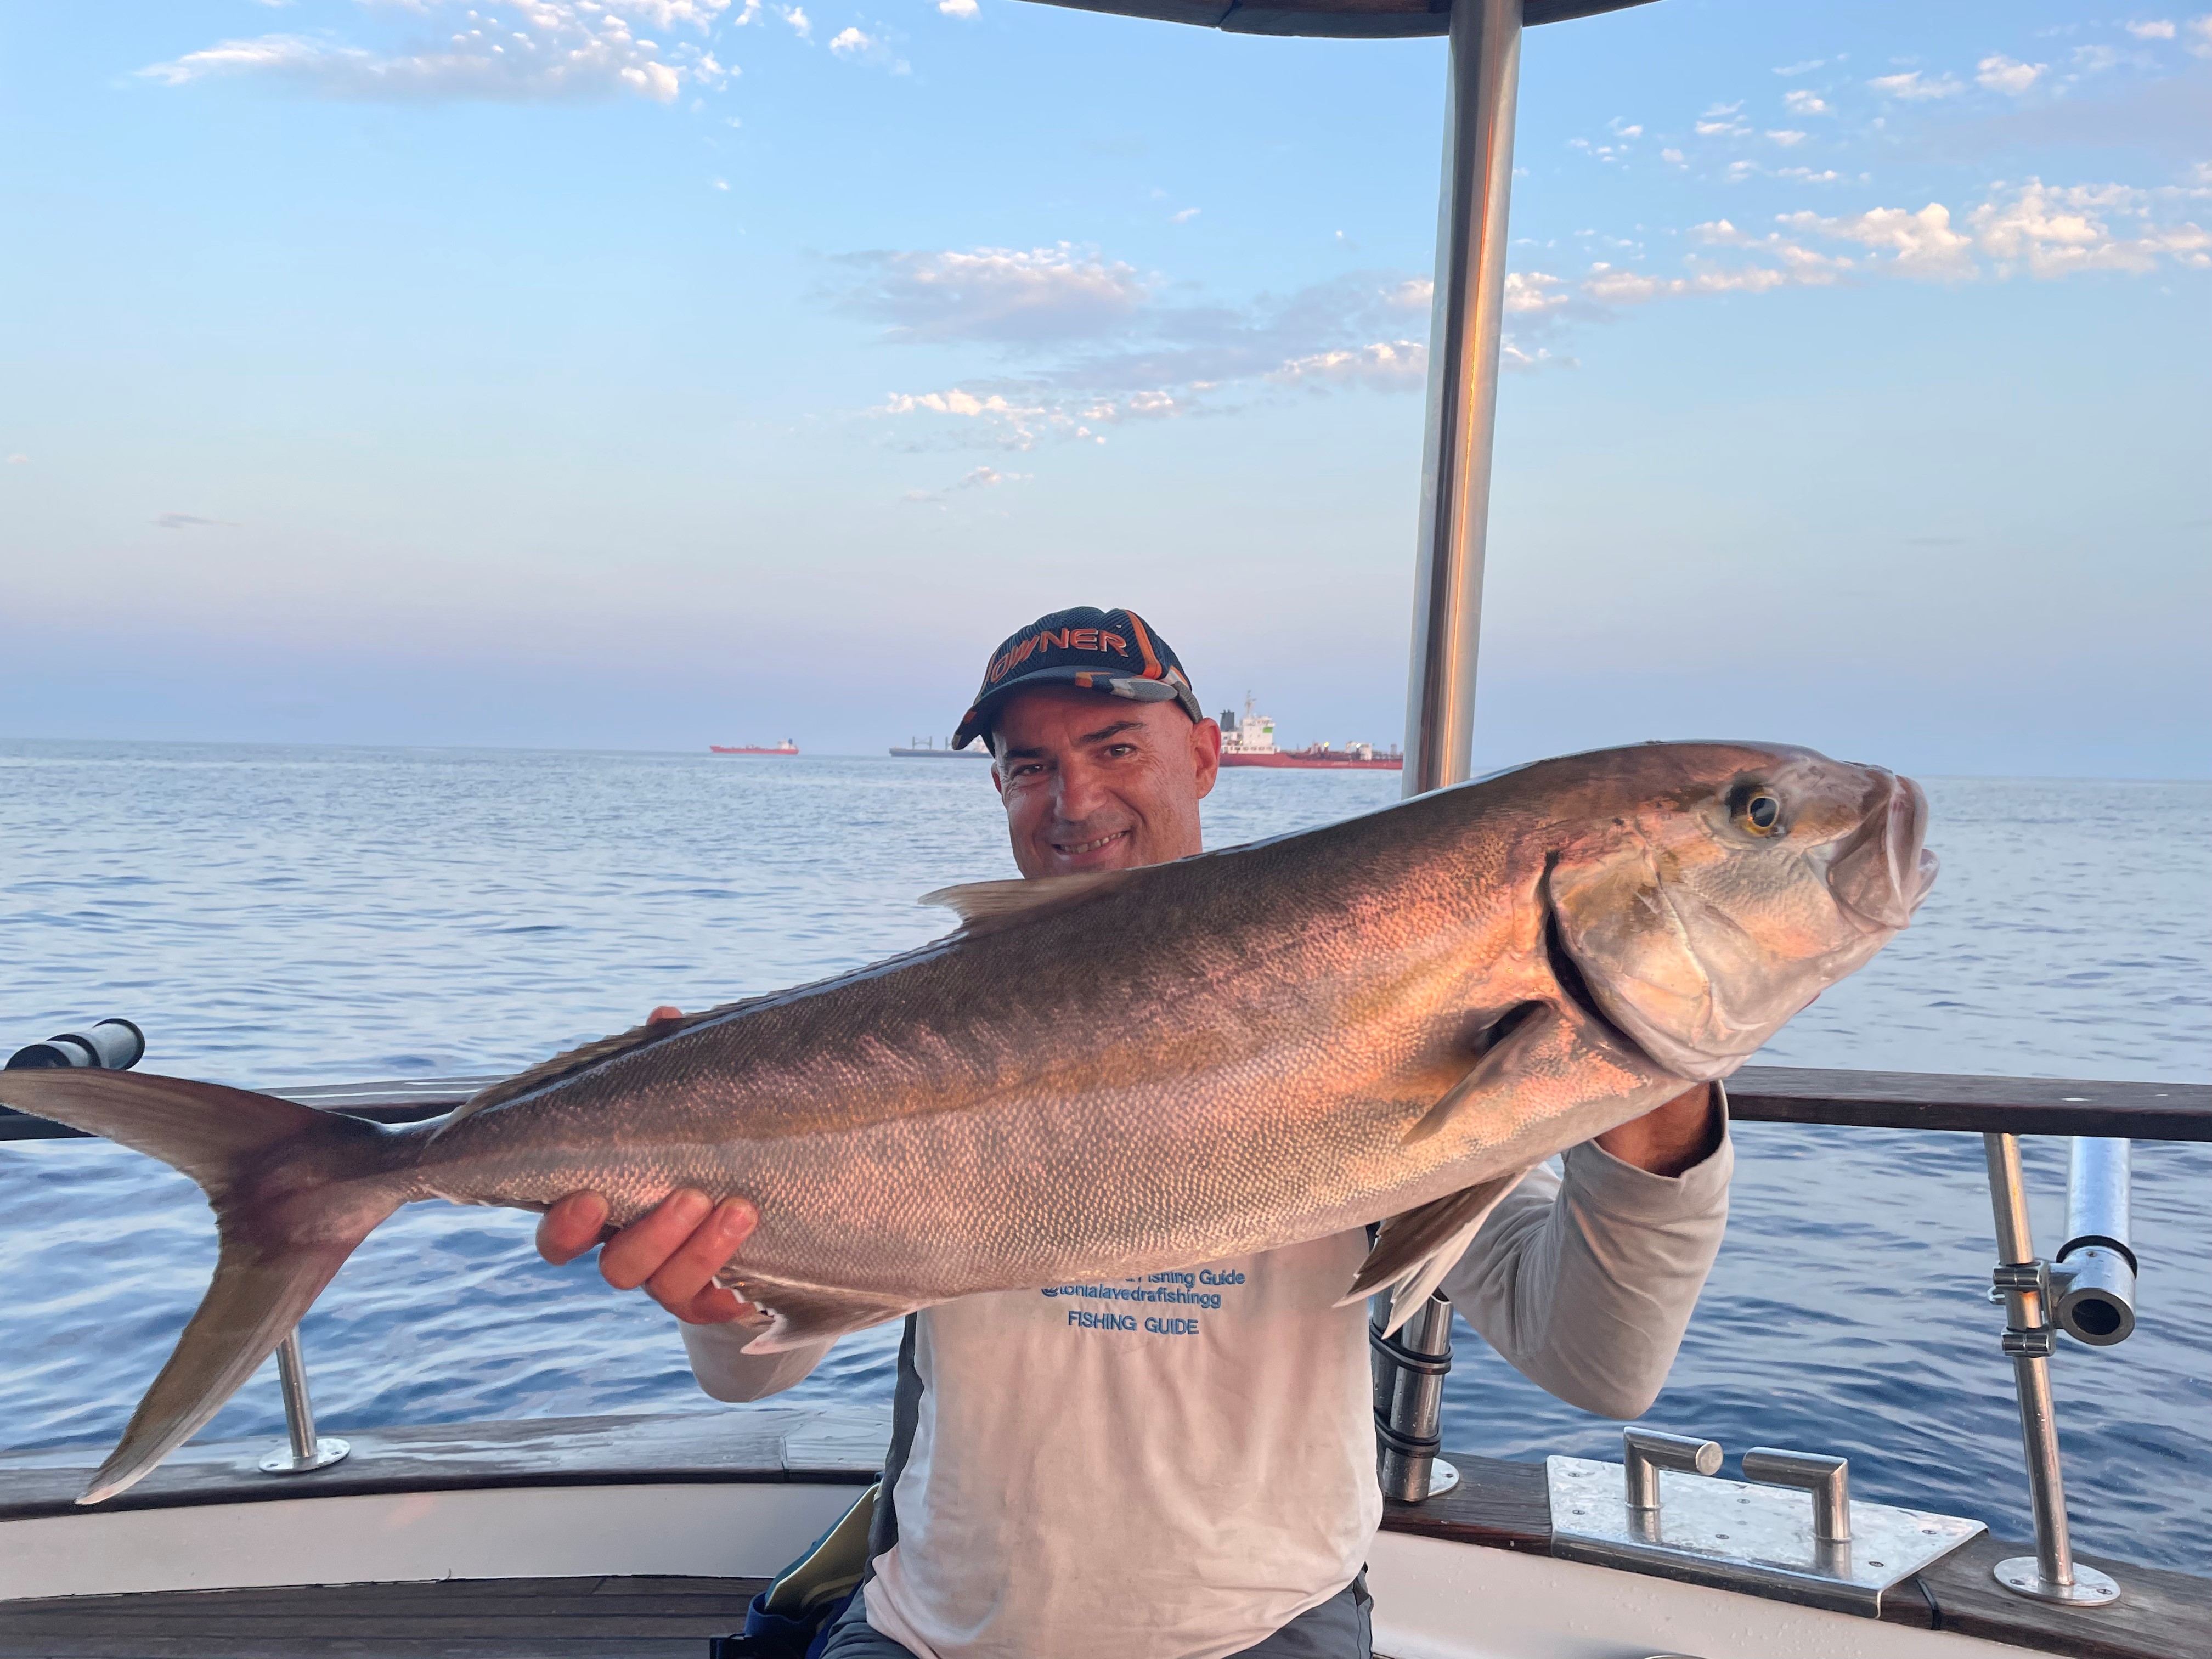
1177, 1467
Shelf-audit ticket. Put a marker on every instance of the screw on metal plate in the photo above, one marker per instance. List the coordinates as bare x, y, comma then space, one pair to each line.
2023, 1574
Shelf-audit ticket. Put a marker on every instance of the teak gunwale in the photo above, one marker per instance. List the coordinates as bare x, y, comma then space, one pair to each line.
1960, 1103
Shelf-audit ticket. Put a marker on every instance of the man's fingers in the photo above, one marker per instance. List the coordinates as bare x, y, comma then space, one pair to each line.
638, 1251
689, 1270
714, 1306
571, 1227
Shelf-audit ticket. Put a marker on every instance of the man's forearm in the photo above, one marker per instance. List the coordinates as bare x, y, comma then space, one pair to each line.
1672, 1138
1586, 1285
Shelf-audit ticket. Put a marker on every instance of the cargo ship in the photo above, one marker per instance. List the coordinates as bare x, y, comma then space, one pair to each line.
786, 747
1250, 741
926, 749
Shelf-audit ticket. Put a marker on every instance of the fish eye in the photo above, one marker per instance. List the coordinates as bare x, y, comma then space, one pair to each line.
1758, 810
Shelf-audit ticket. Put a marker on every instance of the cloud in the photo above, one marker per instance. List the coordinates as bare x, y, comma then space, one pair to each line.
2202, 28
2158, 29
1183, 217
1920, 243
801, 24
2001, 73
1800, 101
536, 51
857, 46
1787, 138
966, 11
192, 521
1386, 366
2049, 231
1100, 347
1003, 295
19, 461
1091, 345
1910, 87
2039, 230
721, 184
1805, 68
983, 478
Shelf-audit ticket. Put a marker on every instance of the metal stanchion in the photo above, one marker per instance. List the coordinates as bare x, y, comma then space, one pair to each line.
2051, 1573
304, 1449
1465, 331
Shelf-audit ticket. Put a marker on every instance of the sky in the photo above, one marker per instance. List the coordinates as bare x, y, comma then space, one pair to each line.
645, 373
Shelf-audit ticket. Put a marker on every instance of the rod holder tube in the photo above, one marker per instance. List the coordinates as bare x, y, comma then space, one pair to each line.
2093, 1273
1408, 1425
1467, 329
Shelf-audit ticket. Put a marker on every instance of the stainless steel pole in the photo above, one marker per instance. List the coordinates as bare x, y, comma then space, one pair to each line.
2051, 1575
305, 1449
1465, 333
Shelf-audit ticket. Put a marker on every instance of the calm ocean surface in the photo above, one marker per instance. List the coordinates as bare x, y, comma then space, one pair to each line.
285, 915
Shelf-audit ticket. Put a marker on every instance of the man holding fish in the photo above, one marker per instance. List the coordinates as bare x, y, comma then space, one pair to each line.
1181, 1467
1119, 1139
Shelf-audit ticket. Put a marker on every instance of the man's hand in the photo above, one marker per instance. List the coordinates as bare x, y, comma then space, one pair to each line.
1671, 1138
674, 1250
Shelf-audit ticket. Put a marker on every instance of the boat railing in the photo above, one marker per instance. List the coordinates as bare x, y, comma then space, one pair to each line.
2086, 1289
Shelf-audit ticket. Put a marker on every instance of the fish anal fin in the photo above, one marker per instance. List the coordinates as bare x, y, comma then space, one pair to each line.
1512, 1040
983, 905
1417, 1246
796, 1314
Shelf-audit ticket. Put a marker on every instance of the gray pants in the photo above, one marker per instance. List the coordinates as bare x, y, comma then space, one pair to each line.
1338, 1629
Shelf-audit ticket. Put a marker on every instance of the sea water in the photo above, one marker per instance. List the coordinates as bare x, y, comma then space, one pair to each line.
290, 915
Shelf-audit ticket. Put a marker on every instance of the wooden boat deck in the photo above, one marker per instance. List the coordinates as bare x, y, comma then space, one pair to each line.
459, 1619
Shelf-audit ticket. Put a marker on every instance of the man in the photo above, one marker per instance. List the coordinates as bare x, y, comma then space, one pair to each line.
1062, 1487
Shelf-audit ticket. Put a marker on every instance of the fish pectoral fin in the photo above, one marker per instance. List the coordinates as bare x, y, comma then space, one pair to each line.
1512, 1040
1417, 1246
981, 905
796, 1314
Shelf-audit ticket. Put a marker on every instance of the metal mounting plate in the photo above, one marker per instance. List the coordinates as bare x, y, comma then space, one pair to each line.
1734, 1536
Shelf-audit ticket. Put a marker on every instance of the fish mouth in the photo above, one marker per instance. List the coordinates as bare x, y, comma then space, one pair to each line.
1883, 874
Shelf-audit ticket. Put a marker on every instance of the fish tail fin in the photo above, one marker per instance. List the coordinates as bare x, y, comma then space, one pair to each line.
294, 1191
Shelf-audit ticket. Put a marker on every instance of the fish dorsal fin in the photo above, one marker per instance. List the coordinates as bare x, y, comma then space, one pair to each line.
984, 906
580, 1058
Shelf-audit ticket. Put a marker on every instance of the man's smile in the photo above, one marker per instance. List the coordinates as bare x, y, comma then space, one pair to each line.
1070, 849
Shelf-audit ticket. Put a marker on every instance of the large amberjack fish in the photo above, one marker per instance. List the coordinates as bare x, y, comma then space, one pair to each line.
1106, 1075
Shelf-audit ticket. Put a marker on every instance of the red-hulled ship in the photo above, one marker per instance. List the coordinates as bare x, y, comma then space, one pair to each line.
1251, 742
786, 747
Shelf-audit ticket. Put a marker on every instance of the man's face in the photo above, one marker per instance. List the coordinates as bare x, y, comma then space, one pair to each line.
1098, 782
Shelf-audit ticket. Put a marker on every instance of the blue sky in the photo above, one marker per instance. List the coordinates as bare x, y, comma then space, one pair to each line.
656, 372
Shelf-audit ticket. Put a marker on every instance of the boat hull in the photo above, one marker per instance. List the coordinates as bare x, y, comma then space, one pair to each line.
1331, 762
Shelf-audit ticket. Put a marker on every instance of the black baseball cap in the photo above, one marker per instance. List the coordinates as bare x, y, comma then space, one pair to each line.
1115, 651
